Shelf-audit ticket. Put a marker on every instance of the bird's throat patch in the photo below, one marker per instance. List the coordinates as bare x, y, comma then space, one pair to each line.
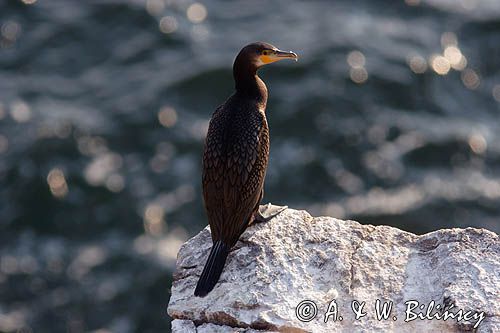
266, 59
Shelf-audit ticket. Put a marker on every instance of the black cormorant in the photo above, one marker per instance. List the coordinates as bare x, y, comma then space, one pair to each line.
235, 158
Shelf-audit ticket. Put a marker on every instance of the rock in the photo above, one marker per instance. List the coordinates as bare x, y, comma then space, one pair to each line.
295, 257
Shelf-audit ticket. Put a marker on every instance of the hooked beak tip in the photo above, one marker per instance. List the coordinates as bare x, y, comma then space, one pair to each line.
288, 54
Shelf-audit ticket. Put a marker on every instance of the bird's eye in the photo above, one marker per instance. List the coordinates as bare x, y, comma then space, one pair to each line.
266, 52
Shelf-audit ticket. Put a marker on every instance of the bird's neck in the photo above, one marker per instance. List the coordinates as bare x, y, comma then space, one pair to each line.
249, 84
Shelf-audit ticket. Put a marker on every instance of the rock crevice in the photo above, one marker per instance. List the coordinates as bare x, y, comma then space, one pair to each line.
322, 260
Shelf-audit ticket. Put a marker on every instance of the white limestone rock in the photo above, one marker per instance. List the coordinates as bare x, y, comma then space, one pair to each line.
296, 257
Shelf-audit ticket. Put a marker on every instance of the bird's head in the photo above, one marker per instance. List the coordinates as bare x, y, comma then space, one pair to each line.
258, 54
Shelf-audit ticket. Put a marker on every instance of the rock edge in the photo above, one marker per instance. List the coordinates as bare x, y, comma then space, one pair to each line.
296, 257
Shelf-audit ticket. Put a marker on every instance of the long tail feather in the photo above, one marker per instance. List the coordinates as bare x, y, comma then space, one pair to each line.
213, 269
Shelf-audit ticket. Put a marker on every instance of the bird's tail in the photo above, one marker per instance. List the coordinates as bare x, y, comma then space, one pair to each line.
213, 269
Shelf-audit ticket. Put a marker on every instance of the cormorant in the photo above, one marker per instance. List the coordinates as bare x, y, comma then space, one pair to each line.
235, 158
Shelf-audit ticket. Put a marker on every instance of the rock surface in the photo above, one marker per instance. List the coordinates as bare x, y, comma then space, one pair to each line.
296, 257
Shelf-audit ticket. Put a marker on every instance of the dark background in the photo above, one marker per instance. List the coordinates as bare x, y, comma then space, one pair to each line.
391, 116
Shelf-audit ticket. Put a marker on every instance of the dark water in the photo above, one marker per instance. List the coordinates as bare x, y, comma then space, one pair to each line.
105, 104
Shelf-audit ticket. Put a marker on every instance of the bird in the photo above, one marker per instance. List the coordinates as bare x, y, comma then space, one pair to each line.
235, 158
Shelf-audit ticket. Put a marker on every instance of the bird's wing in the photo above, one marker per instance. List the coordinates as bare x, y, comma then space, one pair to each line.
233, 176
244, 173
213, 172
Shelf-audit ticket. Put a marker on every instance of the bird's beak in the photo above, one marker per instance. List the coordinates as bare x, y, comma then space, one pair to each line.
277, 56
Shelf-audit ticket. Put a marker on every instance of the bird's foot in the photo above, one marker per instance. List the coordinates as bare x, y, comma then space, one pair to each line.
267, 212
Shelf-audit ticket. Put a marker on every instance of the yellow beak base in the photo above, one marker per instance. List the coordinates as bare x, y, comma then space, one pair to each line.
277, 56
